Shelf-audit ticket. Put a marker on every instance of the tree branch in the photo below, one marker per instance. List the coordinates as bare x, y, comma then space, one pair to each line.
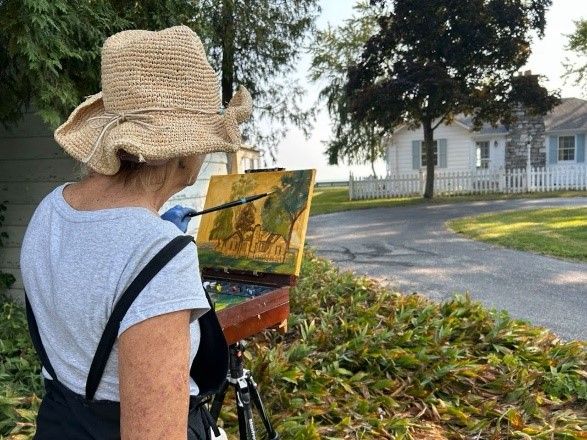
439, 122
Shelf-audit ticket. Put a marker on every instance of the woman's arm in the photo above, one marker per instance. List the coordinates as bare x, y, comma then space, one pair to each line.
153, 370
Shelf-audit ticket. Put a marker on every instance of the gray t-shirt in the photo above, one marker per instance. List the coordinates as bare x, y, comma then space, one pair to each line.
76, 264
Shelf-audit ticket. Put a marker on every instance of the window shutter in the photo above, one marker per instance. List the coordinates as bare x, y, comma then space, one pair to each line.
581, 147
553, 150
442, 157
416, 155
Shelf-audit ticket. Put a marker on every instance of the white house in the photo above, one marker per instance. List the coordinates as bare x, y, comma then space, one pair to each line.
558, 138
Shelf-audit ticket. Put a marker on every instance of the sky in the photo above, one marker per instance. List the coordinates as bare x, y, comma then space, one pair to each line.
548, 54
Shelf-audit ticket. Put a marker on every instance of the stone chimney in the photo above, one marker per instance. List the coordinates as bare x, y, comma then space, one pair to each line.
527, 129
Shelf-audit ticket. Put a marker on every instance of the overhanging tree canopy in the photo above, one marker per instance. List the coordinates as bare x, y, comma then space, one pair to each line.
334, 50
577, 44
430, 60
50, 52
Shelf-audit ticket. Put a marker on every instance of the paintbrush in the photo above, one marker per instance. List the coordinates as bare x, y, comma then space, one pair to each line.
238, 202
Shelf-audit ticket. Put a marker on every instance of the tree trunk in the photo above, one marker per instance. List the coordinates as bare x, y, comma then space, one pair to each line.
429, 146
228, 49
373, 155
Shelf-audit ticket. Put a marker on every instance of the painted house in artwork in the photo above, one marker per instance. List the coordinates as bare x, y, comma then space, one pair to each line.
557, 139
256, 244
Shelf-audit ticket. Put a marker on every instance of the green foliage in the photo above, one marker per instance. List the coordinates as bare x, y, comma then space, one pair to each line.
435, 59
362, 362
258, 44
334, 50
20, 375
6, 279
577, 43
429, 61
50, 52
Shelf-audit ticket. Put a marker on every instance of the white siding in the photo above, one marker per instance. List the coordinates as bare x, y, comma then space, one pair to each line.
460, 148
32, 164
497, 154
195, 195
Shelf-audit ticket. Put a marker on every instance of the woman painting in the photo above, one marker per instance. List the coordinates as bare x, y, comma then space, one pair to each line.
121, 368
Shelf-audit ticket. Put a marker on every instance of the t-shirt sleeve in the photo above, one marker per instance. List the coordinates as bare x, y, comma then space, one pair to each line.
178, 286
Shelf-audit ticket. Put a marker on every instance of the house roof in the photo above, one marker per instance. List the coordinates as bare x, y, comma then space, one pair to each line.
570, 114
486, 128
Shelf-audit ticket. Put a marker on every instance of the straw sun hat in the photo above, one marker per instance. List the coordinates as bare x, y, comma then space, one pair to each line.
160, 99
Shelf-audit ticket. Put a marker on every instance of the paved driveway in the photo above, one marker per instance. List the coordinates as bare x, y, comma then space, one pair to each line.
411, 249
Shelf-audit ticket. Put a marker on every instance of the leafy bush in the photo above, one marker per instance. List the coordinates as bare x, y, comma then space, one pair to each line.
6, 279
362, 362
20, 375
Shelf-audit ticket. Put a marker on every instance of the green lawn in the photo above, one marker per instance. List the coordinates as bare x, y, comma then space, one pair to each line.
327, 200
560, 232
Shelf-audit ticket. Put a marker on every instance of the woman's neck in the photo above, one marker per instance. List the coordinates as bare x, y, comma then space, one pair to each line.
102, 192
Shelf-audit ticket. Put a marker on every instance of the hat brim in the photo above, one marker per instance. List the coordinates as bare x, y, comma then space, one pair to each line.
168, 134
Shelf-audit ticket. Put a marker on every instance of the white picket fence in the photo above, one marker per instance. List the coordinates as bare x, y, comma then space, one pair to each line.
556, 178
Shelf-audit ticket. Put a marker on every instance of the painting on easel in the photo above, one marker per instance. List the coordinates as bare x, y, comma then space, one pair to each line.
266, 235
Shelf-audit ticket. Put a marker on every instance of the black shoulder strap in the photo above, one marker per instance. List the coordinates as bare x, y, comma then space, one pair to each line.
36, 337
130, 294
210, 365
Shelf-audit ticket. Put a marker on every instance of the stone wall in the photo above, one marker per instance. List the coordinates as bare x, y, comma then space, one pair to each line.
526, 129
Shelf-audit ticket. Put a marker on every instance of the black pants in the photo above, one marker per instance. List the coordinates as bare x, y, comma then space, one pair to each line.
66, 415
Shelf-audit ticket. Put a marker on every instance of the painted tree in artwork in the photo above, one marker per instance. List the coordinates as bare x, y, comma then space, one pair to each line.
273, 216
289, 202
246, 219
224, 222
242, 187
223, 225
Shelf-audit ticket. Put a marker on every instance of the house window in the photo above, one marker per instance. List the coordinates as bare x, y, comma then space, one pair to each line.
423, 148
483, 155
566, 148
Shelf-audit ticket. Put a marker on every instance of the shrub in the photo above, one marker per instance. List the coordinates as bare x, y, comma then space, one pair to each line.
362, 362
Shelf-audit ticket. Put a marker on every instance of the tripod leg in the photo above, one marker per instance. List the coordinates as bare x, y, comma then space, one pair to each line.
218, 401
258, 403
244, 411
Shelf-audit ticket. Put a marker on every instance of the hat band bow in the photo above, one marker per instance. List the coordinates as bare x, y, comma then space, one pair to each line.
143, 117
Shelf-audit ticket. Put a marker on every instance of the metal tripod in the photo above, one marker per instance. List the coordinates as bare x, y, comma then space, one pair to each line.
247, 398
